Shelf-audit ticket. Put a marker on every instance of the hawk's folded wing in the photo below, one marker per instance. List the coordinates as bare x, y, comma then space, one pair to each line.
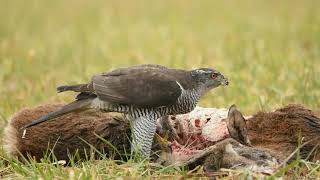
140, 88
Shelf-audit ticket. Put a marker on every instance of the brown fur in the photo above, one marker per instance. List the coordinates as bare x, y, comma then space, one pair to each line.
279, 131
65, 133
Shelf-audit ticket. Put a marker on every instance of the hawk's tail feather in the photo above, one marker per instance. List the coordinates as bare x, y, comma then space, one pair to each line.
74, 106
75, 88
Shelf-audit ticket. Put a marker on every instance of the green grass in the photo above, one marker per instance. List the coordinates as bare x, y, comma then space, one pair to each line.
270, 50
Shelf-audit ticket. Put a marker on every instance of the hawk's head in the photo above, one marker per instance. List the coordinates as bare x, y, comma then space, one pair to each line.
209, 78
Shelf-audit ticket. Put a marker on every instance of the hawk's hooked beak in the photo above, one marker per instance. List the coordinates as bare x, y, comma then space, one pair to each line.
224, 81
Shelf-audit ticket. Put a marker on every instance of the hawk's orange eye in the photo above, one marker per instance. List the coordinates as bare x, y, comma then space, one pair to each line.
214, 75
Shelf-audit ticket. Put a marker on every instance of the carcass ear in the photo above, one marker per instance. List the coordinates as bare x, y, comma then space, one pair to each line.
232, 110
237, 126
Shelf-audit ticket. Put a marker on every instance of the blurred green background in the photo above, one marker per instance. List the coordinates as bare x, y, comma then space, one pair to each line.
270, 50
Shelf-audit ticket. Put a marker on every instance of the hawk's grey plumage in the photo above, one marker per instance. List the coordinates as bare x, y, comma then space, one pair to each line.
143, 92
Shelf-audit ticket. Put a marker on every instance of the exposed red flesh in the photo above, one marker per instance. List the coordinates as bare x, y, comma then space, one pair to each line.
197, 130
